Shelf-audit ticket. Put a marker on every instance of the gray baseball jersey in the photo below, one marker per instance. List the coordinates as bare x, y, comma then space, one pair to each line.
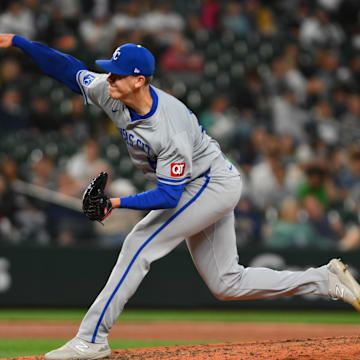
170, 146
167, 146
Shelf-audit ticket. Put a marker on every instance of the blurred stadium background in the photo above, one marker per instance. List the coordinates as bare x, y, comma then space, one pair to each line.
276, 83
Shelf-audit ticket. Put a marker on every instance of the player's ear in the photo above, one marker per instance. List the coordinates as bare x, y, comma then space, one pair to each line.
140, 81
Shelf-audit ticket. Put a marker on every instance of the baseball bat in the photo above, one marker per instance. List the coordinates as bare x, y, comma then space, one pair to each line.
47, 195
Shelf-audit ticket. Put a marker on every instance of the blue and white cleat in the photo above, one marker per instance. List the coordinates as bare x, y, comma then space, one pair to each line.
77, 349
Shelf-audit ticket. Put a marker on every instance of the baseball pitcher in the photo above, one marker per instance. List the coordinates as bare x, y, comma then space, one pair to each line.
197, 190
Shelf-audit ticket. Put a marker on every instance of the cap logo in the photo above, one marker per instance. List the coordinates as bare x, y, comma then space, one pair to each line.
116, 53
136, 70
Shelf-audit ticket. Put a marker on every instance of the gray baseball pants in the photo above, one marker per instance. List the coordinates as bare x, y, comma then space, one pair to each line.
204, 217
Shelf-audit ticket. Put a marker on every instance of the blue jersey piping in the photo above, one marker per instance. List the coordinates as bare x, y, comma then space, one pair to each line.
80, 86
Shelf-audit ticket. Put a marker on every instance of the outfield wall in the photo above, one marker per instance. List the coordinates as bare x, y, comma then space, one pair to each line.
73, 277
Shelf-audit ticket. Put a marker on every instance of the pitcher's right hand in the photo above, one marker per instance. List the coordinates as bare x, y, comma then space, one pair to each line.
6, 40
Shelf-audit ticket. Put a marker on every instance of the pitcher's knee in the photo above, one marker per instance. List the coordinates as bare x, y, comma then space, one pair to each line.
228, 286
224, 293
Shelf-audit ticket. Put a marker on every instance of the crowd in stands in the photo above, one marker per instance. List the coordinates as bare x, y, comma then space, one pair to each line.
276, 83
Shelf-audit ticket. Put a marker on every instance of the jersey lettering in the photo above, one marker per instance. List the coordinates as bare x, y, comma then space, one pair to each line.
147, 149
132, 141
139, 143
177, 169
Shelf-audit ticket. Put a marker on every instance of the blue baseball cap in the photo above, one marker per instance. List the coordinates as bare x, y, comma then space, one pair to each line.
130, 59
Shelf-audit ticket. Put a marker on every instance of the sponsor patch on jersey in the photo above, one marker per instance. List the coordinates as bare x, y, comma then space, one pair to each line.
88, 79
177, 169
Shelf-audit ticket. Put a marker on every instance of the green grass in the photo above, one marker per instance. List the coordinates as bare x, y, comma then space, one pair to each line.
324, 317
24, 347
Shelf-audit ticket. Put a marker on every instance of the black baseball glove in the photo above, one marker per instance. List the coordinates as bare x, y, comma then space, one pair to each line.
96, 204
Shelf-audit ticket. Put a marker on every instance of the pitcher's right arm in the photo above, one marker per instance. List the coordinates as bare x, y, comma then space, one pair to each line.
60, 66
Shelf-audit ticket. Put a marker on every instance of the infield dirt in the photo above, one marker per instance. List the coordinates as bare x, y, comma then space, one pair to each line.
248, 340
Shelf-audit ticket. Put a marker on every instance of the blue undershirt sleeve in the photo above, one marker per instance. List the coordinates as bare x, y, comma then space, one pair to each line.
163, 197
62, 67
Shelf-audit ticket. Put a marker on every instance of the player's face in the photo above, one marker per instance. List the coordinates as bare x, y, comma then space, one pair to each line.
121, 86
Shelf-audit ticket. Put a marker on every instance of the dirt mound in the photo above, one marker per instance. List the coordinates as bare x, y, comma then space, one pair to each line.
344, 348
245, 341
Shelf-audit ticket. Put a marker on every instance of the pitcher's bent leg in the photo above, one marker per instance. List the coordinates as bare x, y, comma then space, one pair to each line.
214, 253
261, 283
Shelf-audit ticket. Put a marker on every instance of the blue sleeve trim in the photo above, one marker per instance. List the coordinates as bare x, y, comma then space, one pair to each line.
173, 180
56, 64
163, 197
81, 88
